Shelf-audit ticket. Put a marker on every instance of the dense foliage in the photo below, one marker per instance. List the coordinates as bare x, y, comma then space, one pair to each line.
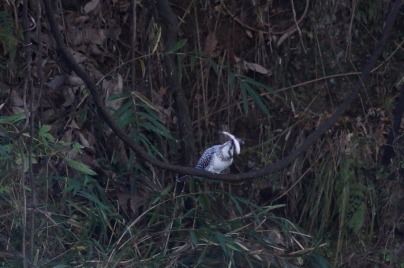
74, 195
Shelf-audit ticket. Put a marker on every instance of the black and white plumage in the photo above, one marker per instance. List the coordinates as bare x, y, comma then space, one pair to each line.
219, 157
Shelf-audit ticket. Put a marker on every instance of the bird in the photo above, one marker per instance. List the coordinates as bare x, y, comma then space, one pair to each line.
218, 157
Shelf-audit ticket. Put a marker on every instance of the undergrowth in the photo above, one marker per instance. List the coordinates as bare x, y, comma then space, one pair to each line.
95, 203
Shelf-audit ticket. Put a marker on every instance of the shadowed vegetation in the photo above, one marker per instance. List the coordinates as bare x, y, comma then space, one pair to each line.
74, 195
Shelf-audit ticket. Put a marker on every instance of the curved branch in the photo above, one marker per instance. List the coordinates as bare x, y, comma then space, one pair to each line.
223, 177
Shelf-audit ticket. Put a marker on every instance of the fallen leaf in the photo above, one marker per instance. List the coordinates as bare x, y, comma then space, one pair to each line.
75, 81
56, 82
78, 57
210, 45
252, 66
90, 6
69, 97
257, 68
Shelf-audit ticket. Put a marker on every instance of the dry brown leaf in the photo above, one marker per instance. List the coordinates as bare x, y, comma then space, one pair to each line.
114, 32
88, 35
69, 97
56, 82
210, 45
75, 81
87, 139
90, 6
257, 68
78, 57
72, 18
17, 100
252, 66
95, 50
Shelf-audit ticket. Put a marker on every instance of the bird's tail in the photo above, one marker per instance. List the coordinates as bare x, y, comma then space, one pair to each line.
183, 178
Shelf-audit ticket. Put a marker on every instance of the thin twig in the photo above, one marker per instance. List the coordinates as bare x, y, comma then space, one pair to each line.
293, 29
31, 115
297, 24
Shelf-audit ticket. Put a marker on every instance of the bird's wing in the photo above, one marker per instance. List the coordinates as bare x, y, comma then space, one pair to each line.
206, 157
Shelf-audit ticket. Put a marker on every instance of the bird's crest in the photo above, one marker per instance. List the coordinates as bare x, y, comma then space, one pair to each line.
235, 140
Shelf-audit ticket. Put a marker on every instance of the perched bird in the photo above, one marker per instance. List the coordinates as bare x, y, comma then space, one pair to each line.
217, 158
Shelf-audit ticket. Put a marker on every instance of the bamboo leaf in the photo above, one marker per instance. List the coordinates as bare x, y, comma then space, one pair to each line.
257, 98
252, 82
79, 166
244, 97
12, 118
177, 46
145, 100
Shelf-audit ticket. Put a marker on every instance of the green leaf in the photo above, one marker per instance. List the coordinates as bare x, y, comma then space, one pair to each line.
194, 239
120, 96
233, 247
125, 115
254, 83
93, 198
214, 66
177, 46
72, 186
231, 79
145, 100
257, 98
43, 133
167, 190
222, 243
79, 166
150, 147
244, 97
9, 119
6, 149
192, 62
157, 129
45, 128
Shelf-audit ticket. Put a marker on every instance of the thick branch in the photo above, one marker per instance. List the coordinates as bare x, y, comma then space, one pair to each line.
197, 172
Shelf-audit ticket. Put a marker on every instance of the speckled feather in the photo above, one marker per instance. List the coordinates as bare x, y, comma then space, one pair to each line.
218, 157
206, 158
